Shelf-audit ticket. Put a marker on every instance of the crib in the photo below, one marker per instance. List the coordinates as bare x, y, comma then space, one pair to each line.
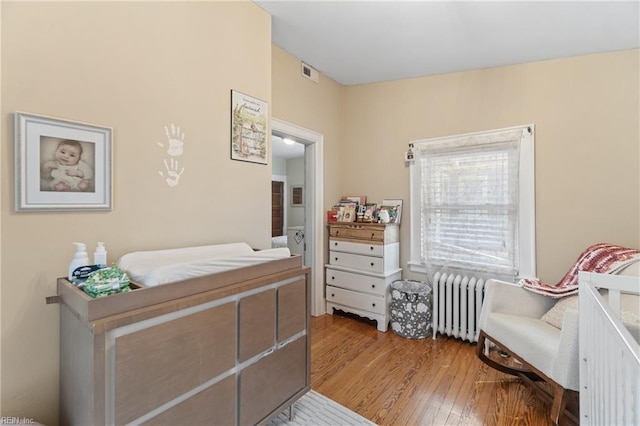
609, 351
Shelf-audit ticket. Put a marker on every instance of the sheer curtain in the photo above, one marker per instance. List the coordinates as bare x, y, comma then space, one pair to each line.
469, 203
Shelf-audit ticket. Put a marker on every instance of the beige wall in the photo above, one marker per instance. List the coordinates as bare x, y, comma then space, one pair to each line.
135, 66
169, 63
585, 111
314, 106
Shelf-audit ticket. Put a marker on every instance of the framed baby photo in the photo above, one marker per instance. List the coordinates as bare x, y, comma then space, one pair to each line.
61, 165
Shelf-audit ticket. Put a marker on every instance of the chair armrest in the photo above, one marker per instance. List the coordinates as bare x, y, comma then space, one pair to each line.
509, 298
566, 368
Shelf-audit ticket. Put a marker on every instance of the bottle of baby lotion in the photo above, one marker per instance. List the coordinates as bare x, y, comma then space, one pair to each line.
100, 255
81, 258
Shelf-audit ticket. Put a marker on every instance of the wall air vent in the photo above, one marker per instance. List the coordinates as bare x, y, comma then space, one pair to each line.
309, 72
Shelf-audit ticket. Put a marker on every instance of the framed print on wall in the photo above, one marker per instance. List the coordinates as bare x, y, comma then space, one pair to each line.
61, 165
297, 196
248, 128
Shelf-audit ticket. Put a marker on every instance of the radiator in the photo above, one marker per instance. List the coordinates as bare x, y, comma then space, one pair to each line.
457, 301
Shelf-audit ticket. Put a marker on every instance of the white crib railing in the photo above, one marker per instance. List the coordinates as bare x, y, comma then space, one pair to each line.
609, 355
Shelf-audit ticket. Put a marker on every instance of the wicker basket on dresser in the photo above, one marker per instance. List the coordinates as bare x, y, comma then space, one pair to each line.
364, 260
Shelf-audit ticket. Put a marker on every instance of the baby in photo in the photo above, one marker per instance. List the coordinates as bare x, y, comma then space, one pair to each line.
67, 171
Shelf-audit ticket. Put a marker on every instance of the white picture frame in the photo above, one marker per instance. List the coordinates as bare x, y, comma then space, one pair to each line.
394, 202
44, 181
297, 195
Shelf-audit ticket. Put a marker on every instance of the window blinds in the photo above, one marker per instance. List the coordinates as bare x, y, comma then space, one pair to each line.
469, 202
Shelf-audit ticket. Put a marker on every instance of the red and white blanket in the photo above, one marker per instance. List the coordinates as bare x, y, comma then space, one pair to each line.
601, 258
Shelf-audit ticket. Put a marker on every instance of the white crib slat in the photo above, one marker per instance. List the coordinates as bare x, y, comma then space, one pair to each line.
610, 386
600, 383
619, 386
596, 381
633, 410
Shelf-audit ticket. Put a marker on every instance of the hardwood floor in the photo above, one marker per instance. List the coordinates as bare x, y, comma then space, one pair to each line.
392, 380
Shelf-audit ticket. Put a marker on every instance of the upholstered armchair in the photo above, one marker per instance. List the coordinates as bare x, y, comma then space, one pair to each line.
520, 334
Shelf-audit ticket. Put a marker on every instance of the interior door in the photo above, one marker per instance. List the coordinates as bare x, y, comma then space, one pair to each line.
277, 208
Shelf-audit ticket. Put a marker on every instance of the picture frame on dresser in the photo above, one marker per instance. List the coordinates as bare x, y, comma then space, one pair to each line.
61, 165
398, 204
360, 199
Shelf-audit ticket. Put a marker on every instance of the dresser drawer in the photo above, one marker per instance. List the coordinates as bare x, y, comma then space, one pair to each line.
365, 302
356, 261
372, 249
357, 282
358, 232
270, 380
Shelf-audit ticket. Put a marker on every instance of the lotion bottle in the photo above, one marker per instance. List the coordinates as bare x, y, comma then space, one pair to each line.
81, 258
100, 255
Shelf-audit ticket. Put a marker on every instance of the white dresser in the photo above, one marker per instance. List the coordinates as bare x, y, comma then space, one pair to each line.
364, 260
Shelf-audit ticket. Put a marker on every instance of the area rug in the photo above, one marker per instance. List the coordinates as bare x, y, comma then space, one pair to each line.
314, 409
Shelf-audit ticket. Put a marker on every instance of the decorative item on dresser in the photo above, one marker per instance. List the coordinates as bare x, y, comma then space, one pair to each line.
364, 260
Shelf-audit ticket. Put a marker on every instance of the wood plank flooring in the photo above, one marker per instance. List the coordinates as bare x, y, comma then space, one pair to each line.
392, 380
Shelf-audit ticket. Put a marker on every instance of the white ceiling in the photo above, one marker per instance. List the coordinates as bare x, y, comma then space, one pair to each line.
357, 42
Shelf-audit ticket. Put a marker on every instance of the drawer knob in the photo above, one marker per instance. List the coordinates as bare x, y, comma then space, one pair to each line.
371, 247
373, 286
372, 235
372, 264
335, 244
337, 232
333, 278
333, 295
336, 259
373, 304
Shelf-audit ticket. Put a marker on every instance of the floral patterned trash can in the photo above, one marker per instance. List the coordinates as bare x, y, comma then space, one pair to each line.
410, 308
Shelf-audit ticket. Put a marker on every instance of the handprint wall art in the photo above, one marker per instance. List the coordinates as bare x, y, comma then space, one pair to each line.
172, 170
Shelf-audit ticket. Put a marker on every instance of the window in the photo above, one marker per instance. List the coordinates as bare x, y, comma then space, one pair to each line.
472, 204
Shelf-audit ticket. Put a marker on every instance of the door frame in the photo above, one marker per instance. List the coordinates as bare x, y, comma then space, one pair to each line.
314, 206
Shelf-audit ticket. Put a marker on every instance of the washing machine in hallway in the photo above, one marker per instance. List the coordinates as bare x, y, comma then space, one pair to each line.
295, 239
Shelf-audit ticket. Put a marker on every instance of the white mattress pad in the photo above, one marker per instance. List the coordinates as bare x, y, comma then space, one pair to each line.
157, 267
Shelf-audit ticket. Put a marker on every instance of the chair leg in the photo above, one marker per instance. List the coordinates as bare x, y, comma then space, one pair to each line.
483, 342
558, 404
557, 396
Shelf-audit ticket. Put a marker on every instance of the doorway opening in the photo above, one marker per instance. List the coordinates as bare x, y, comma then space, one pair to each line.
302, 201
287, 194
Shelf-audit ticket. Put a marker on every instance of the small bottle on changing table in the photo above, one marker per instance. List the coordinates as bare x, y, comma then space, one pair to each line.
80, 258
100, 255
